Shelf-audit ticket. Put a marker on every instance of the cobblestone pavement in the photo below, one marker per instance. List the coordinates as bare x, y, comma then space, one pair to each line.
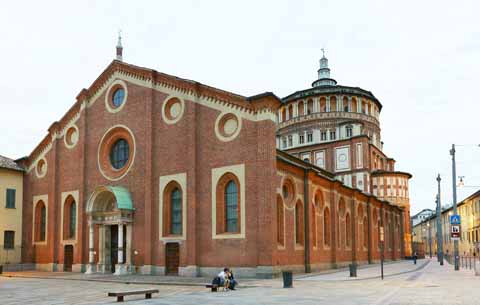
432, 284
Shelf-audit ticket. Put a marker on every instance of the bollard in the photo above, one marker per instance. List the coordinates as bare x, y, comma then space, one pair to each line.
287, 279
353, 270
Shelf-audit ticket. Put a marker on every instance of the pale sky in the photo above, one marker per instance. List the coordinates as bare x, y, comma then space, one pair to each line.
419, 58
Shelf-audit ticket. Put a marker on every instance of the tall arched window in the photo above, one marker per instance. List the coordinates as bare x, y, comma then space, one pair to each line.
309, 106
280, 225
299, 223
176, 211
231, 207
40, 222
326, 226
290, 111
348, 230
73, 220
301, 109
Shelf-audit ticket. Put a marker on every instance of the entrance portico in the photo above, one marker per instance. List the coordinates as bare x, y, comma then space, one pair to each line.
111, 209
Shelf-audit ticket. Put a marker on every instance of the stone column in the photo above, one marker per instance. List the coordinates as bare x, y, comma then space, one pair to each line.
91, 255
120, 268
101, 249
129, 245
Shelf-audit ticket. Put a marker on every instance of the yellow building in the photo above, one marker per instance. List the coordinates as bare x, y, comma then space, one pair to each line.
469, 243
11, 201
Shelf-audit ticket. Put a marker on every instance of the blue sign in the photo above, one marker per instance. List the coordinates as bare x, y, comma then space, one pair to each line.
455, 219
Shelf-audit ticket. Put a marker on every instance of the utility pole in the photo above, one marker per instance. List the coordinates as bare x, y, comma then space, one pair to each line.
439, 225
454, 192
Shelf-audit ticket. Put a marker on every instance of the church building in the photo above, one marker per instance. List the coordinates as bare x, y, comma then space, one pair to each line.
154, 174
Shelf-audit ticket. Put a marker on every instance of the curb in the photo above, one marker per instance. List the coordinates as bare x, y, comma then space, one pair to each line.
371, 277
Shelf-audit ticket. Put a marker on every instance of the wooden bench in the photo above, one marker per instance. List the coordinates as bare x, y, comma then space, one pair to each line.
121, 294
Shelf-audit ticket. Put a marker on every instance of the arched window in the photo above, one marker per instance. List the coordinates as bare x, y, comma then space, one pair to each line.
40, 222
290, 111
172, 207
73, 220
69, 218
299, 223
333, 104
301, 109
323, 104
345, 104
354, 105
284, 114
348, 230
280, 224
309, 107
231, 207
326, 227
176, 211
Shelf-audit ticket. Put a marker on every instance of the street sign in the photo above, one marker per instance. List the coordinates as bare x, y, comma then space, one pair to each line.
381, 234
455, 232
455, 219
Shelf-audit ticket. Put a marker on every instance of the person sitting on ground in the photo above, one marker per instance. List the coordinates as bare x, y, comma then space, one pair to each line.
233, 281
223, 276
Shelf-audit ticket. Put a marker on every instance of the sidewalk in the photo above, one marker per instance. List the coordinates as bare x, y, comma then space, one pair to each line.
365, 272
125, 279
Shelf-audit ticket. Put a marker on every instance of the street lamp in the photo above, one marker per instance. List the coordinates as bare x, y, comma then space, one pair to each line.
439, 225
454, 194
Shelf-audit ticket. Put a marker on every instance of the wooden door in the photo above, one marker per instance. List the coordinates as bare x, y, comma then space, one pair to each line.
68, 258
172, 258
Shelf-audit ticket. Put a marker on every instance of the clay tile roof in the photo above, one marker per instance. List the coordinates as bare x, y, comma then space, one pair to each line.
9, 164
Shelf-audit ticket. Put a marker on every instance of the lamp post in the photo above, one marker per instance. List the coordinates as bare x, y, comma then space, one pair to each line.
439, 226
454, 192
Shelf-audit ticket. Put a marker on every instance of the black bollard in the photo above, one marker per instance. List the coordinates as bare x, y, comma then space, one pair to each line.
287, 279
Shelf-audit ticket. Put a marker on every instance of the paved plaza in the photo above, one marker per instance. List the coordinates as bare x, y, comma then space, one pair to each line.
405, 283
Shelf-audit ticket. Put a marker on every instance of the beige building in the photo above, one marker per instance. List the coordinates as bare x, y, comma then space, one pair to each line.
469, 244
11, 201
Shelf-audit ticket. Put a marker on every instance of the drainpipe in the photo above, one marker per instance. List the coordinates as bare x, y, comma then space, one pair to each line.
369, 231
306, 223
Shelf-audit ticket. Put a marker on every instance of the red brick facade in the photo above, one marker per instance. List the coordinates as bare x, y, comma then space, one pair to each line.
198, 140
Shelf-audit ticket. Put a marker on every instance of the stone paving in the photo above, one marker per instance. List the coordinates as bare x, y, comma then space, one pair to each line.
403, 285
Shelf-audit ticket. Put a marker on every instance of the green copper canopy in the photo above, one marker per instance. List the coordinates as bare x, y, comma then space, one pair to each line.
124, 200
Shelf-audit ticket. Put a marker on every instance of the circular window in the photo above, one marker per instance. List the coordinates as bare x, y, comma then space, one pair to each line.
119, 154
41, 168
288, 191
71, 136
116, 152
227, 127
172, 110
118, 97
